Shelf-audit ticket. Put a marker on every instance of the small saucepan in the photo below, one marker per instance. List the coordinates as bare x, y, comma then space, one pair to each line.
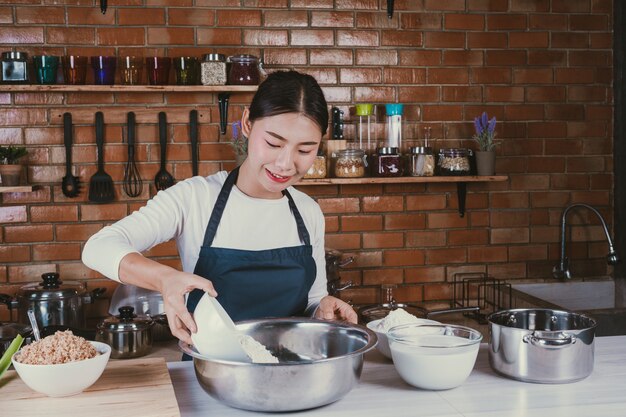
128, 334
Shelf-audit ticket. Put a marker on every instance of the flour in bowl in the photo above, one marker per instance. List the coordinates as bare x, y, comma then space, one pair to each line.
395, 318
256, 351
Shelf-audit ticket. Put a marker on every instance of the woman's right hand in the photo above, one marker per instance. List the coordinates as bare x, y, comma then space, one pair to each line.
174, 288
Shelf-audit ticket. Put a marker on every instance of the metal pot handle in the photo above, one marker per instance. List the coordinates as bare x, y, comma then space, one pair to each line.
550, 342
345, 262
94, 294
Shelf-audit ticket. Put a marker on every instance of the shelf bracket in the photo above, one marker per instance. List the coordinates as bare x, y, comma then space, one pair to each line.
222, 99
461, 191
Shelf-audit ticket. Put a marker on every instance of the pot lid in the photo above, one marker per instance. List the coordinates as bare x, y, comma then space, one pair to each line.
373, 312
126, 321
8, 331
51, 288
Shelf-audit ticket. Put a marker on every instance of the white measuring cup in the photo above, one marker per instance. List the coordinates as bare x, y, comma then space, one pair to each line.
217, 337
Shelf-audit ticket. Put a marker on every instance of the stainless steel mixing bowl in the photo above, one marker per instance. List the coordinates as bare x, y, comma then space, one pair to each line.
320, 362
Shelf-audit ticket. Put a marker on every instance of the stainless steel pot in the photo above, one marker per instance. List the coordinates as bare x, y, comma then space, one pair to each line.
129, 335
541, 345
320, 362
54, 302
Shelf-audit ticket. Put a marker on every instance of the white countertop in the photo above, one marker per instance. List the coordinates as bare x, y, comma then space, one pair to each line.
381, 392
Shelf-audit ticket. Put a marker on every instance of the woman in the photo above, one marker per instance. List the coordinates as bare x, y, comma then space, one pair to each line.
247, 238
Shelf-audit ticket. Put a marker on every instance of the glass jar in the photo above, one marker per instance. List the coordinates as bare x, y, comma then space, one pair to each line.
213, 69
454, 161
186, 69
318, 169
14, 67
421, 161
244, 70
350, 163
387, 163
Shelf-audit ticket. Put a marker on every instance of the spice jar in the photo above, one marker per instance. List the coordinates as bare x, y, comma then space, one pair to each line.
387, 162
244, 70
318, 169
213, 69
454, 161
350, 163
14, 67
421, 161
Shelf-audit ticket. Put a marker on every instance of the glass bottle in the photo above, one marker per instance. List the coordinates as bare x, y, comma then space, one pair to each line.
14, 67
213, 69
422, 161
387, 163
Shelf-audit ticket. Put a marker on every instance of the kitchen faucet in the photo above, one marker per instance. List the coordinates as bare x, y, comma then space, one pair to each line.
561, 271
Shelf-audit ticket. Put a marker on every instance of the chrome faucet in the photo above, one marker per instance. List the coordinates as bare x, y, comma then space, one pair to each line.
561, 271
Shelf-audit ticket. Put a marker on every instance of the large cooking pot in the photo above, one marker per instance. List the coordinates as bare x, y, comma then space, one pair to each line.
541, 345
334, 262
54, 302
128, 334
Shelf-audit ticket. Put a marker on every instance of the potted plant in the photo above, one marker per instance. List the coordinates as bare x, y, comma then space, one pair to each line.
239, 143
10, 170
485, 135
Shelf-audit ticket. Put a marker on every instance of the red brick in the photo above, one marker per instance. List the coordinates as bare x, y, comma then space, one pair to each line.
13, 214
56, 252
528, 253
468, 237
318, 37
76, 232
41, 15
383, 204
446, 220
487, 254
383, 276
181, 16
29, 273
344, 241
22, 234
444, 40
425, 238
509, 235
12, 253
360, 76
382, 240
403, 257
112, 211
424, 274
361, 223
445, 256
405, 221
401, 38
21, 35
58, 213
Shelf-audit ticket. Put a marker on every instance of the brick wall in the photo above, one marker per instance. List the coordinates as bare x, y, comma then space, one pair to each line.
543, 68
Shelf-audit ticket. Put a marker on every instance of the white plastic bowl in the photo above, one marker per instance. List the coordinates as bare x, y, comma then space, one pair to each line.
383, 343
434, 357
64, 379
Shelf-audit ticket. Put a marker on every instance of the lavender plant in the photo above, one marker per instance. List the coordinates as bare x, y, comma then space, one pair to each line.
240, 141
485, 132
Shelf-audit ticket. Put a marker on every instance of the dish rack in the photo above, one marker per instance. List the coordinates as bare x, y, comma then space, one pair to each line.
479, 289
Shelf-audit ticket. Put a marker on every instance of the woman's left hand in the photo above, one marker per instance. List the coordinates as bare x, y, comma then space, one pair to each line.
332, 308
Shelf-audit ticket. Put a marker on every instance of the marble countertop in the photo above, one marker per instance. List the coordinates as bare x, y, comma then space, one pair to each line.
381, 392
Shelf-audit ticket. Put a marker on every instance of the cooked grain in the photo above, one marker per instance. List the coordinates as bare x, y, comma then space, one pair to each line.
61, 347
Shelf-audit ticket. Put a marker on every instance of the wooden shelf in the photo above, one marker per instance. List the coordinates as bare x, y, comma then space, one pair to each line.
62, 88
16, 189
460, 181
402, 180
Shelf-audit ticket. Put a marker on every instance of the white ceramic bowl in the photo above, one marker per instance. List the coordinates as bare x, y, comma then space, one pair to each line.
434, 357
383, 343
64, 379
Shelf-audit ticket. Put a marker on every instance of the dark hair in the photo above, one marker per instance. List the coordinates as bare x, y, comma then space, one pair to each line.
290, 92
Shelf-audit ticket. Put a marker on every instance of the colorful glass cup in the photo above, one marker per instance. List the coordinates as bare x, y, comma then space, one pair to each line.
158, 68
130, 70
187, 70
74, 69
103, 69
46, 69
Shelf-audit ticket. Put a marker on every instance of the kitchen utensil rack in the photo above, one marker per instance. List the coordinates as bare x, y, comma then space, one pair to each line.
479, 289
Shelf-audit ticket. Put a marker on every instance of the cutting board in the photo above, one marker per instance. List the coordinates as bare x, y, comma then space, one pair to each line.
127, 388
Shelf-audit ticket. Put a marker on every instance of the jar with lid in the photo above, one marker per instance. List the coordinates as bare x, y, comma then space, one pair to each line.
244, 70
318, 169
454, 161
421, 161
14, 67
350, 163
387, 162
213, 69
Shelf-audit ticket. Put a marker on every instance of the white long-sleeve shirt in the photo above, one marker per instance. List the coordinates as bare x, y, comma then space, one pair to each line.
182, 213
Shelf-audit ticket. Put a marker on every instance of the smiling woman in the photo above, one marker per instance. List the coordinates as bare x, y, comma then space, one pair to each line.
246, 237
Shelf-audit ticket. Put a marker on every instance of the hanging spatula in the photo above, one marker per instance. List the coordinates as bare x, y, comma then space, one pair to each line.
163, 179
101, 184
70, 185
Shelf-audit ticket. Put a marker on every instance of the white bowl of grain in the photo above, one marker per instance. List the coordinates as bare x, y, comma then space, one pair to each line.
62, 364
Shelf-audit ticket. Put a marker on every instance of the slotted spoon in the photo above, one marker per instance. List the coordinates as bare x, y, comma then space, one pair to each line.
70, 185
163, 179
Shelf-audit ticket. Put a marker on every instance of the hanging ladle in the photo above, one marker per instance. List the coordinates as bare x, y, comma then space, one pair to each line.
33, 324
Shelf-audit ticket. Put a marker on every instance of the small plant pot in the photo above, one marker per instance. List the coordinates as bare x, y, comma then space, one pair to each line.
10, 175
485, 162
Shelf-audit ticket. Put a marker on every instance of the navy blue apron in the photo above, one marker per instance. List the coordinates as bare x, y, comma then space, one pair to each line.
256, 284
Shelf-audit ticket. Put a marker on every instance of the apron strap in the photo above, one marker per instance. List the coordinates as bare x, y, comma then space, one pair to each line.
220, 205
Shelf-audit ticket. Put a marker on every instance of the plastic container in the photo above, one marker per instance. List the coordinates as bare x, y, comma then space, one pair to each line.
387, 163
14, 67
454, 161
350, 163
244, 70
394, 125
421, 161
213, 69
